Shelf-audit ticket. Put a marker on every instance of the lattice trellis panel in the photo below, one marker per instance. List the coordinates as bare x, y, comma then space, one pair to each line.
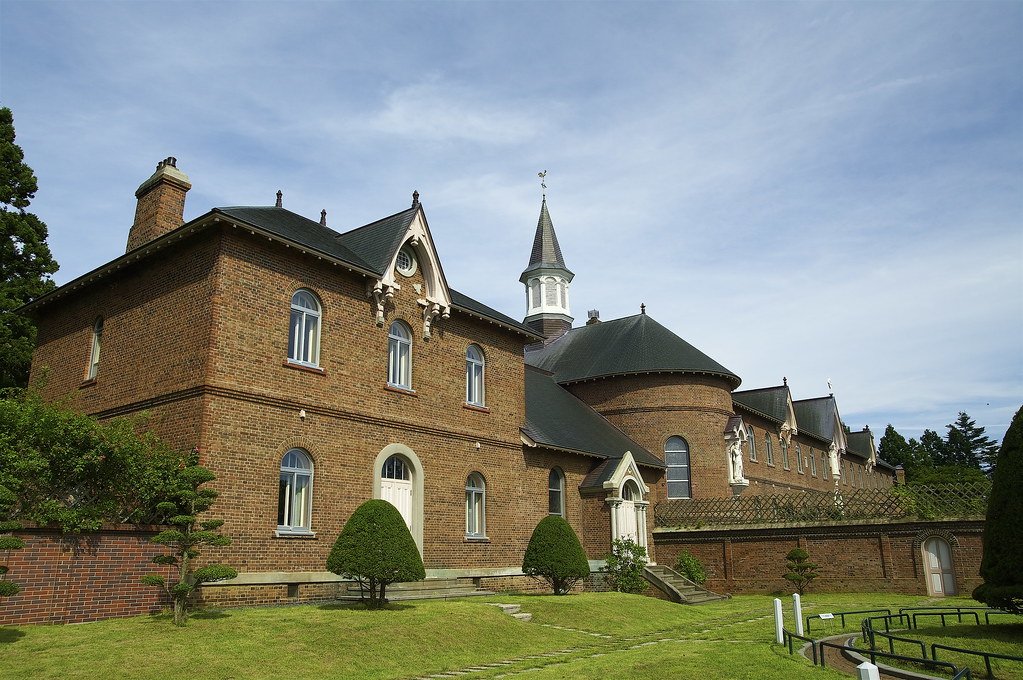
966, 500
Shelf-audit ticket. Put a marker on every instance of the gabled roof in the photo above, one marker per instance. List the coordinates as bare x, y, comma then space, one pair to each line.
556, 419
773, 403
377, 242
862, 444
633, 345
819, 417
546, 253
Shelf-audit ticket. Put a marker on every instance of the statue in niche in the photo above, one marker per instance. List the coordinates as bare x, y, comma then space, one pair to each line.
735, 455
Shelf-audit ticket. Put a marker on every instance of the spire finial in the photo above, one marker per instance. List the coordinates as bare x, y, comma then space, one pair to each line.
543, 184
642, 308
323, 217
785, 381
280, 198
415, 198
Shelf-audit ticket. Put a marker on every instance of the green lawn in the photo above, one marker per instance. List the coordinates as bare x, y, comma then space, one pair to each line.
592, 635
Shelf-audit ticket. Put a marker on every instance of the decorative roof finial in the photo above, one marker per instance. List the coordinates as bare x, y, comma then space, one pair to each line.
543, 184
785, 381
415, 198
642, 308
280, 198
323, 217
830, 390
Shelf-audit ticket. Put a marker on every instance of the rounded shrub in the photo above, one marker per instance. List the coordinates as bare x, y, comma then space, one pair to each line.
691, 567
555, 556
376, 549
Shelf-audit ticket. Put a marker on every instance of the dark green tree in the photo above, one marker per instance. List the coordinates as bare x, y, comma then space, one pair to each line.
932, 450
189, 535
376, 549
25, 261
7, 540
555, 556
691, 567
1001, 567
893, 448
800, 569
70, 470
624, 566
968, 446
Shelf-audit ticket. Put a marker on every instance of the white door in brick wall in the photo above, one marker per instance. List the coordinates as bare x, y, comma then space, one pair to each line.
396, 487
627, 521
938, 561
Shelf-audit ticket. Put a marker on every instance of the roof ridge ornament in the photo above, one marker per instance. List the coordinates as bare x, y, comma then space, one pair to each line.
415, 198
323, 217
543, 184
280, 199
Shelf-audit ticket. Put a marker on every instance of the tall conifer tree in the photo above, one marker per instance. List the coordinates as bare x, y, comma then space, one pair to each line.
25, 260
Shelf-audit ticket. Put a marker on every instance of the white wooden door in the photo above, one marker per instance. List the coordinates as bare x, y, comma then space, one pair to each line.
396, 487
938, 562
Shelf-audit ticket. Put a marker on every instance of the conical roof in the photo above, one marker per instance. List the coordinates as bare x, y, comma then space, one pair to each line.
546, 253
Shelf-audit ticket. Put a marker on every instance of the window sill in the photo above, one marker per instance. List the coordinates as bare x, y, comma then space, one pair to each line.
292, 533
477, 539
476, 407
87, 383
302, 367
401, 390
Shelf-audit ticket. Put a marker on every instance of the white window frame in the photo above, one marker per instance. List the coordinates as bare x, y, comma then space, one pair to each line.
97, 341
678, 446
799, 459
813, 462
304, 329
751, 438
770, 449
295, 493
556, 493
784, 454
475, 376
475, 506
399, 356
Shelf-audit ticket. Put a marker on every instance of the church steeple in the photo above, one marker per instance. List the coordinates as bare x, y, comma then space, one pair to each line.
546, 279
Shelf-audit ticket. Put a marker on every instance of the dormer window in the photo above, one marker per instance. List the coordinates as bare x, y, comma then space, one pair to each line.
405, 263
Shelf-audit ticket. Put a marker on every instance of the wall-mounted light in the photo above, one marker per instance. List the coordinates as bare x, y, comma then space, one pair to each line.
301, 413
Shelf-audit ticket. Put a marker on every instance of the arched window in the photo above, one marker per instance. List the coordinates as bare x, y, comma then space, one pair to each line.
399, 356
304, 333
750, 437
294, 499
474, 393
799, 458
97, 340
813, 462
767, 447
475, 506
534, 289
784, 454
556, 493
676, 455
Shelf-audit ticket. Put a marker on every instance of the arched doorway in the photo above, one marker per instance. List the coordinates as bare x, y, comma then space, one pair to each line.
941, 580
396, 486
628, 528
398, 479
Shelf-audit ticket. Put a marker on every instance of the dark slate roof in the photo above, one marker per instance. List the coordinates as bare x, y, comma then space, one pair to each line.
557, 419
770, 402
546, 253
635, 344
859, 443
294, 227
816, 417
377, 242
369, 248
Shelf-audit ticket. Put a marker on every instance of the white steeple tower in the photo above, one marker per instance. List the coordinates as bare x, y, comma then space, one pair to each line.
547, 280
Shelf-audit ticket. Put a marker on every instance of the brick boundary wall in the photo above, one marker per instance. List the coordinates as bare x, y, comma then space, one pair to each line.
73, 578
863, 557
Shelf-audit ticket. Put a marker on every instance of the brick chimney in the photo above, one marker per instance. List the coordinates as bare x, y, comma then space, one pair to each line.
161, 206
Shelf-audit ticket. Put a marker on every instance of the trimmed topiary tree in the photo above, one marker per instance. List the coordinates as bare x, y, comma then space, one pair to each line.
7, 499
801, 569
555, 556
376, 549
691, 568
189, 535
624, 566
1001, 567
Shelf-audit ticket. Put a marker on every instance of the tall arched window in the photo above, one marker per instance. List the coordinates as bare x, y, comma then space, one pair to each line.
304, 332
474, 392
97, 340
294, 499
676, 456
751, 438
399, 356
769, 449
475, 506
556, 493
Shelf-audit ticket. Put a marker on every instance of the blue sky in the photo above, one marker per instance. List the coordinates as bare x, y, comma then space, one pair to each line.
822, 190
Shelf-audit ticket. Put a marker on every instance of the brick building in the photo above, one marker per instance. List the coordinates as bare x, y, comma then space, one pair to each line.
316, 369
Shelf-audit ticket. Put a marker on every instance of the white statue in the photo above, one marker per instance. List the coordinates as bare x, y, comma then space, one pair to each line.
735, 453
836, 469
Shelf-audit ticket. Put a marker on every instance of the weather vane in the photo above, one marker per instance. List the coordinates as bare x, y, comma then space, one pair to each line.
543, 184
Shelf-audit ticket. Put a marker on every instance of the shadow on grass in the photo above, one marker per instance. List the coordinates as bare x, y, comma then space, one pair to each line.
361, 606
11, 634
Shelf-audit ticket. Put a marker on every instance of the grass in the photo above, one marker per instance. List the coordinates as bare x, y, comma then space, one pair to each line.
591, 635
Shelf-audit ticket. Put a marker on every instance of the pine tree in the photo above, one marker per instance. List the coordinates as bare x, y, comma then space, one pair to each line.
967, 444
1001, 567
555, 556
800, 569
25, 260
893, 448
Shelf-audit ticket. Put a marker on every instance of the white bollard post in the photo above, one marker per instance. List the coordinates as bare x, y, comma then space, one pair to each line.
779, 622
867, 671
797, 611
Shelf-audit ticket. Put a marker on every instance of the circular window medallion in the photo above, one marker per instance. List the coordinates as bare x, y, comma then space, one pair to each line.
406, 262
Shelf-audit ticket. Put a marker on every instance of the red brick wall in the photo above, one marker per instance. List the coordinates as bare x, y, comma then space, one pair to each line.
852, 558
72, 579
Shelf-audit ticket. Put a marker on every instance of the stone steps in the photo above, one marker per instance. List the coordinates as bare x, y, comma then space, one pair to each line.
677, 587
427, 589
